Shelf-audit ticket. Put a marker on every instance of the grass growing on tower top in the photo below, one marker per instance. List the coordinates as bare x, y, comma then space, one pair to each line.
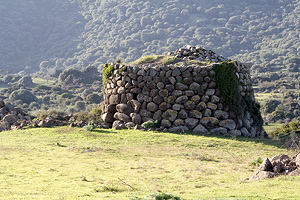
71, 163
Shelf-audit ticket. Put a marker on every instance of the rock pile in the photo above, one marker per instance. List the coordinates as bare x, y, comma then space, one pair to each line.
181, 98
11, 117
197, 53
279, 165
15, 118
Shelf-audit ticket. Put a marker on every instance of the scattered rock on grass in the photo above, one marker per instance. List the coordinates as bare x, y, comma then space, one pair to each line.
279, 165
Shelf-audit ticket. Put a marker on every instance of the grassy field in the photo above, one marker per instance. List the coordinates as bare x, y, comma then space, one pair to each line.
262, 97
41, 81
271, 127
70, 163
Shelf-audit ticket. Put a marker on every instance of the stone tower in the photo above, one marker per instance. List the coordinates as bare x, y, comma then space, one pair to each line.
191, 89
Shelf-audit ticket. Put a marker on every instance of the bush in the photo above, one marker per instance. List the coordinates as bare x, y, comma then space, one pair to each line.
160, 196
151, 124
85, 93
34, 106
287, 129
80, 105
46, 99
107, 71
26, 81
55, 113
42, 87
93, 114
23, 95
93, 98
269, 106
67, 96
256, 162
8, 78
68, 76
91, 126
56, 88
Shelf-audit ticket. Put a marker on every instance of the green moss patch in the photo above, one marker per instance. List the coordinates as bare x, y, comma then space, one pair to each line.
227, 83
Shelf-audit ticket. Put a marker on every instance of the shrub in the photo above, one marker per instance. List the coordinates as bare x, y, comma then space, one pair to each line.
93, 114
34, 106
160, 196
286, 129
107, 71
42, 87
68, 76
26, 81
85, 93
91, 126
55, 113
256, 162
89, 74
23, 95
80, 105
46, 99
151, 124
67, 96
8, 78
93, 98
269, 105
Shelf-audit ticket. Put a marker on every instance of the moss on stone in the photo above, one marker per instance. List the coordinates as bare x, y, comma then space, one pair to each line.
227, 82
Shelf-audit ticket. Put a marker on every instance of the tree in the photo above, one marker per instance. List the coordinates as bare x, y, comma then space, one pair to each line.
24, 95
26, 81
269, 106
93, 98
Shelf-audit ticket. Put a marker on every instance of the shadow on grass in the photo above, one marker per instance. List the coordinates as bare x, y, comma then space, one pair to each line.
99, 132
265, 141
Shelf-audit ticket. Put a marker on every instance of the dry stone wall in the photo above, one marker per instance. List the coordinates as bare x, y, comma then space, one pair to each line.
181, 98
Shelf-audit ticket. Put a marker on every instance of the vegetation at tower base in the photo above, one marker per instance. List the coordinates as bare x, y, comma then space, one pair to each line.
198, 90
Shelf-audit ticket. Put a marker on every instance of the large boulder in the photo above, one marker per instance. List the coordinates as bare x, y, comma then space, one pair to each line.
118, 125
170, 115
200, 129
191, 122
124, 108
108, 117
259, 175
121, 116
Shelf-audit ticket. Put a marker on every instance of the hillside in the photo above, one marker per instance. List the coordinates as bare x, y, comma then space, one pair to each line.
75, 33
71, 163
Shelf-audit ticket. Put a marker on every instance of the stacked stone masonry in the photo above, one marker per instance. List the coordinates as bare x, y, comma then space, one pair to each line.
181, 98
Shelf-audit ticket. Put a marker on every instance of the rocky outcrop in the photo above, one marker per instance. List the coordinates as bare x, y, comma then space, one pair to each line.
11, 117
279, 165
180, 97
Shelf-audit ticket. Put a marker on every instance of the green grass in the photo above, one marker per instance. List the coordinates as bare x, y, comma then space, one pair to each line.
261, 97
167, 60
271, 127
71, 163
40, 81
148, 59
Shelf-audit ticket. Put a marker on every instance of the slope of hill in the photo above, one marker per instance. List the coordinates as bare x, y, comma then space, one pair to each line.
71, 163
75, 33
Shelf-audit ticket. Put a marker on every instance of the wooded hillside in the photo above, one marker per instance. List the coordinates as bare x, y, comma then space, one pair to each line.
75, 33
